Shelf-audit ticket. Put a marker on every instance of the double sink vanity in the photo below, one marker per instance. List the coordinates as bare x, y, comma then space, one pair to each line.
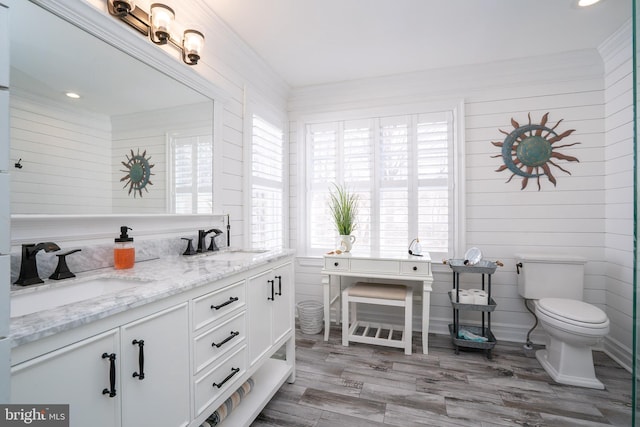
164, 343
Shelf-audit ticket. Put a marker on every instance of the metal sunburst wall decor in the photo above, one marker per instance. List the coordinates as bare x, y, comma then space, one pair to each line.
528, 150
138, 173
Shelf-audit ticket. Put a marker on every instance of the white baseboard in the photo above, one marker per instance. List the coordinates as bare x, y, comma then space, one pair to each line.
618, 352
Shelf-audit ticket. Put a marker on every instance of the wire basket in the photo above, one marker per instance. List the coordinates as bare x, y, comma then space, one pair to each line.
310, 317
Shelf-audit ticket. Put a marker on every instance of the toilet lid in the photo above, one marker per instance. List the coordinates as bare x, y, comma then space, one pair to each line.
572, 310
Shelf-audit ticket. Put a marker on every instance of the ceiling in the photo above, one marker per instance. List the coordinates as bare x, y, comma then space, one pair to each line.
310, 42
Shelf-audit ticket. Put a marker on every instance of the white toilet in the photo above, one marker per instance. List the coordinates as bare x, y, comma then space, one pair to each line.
555, 283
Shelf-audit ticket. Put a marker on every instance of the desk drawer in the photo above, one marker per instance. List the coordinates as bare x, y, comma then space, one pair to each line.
336, 264
383, 266
215, 305
415, 268
217, 342
212, 384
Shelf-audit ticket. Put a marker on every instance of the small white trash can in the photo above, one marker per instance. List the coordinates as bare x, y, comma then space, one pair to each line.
310, 316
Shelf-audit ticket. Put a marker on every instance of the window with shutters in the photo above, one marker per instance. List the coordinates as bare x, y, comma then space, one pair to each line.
401, 167
267, 185
191, 173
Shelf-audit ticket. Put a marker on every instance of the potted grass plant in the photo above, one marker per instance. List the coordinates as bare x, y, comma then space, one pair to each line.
344, 209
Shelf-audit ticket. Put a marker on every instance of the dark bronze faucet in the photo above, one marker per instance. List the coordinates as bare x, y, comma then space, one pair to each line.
202, 244
29, 266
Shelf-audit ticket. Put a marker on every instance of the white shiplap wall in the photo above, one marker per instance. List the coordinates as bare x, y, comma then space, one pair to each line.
66, 158
618, 152
501, 219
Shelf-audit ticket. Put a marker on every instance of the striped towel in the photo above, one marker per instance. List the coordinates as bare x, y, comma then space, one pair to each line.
229, 405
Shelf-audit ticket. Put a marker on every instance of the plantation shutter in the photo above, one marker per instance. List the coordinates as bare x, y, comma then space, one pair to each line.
400, 168
192, 174
434, 176
267, 188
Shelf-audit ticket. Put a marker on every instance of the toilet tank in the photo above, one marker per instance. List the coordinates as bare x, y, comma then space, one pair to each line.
550, 276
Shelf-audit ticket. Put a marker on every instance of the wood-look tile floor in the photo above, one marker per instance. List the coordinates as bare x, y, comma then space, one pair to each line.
369, 386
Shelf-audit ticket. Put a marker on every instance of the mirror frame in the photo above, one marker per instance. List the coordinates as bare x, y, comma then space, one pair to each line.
92, 17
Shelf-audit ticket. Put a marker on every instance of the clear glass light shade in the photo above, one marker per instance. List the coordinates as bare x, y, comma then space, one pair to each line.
123, 6
192, 44
162, 17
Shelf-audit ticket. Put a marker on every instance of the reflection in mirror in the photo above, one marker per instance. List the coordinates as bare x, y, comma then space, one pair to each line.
75, 151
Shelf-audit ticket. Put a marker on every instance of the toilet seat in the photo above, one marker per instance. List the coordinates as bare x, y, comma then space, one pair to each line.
573, 315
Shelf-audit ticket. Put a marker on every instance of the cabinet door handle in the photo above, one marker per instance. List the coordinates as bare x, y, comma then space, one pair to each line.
233, 372
272, 290
218, 307
140, 344
111, 391
226, 340
279, 285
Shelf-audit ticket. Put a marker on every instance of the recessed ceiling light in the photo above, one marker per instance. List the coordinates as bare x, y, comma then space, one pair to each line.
72, 95
585, 3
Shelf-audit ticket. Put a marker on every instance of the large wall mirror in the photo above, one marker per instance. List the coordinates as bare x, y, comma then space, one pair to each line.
75, 156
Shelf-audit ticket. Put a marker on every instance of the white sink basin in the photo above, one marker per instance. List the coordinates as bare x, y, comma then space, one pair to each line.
46, 297
236, 255
232, 255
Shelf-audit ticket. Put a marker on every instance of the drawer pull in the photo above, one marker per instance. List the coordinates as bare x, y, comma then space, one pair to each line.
279, 285
335, 264
140, 344
415, 268
111, 391
226, 340
218, 307
233, 372
273, 296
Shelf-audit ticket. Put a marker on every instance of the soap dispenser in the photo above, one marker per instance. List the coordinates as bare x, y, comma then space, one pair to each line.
124, 253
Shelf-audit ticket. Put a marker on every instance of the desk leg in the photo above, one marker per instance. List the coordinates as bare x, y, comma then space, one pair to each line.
426, 304
326, 291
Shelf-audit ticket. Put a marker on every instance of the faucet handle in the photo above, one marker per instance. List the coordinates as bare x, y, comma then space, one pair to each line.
212, 246
62, 270
189, 250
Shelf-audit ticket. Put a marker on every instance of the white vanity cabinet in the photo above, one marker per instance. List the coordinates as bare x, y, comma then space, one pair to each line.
219, 346
199, 345
76, 375
270, 297
108, 380
154, 369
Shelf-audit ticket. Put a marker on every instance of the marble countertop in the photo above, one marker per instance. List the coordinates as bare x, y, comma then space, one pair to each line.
158, 279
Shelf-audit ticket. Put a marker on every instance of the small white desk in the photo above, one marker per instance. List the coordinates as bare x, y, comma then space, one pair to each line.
403, 267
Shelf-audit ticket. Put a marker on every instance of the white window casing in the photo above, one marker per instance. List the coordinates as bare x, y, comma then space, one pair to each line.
405, 163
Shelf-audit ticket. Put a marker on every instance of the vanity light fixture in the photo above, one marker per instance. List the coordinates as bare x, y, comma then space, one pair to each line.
157, 26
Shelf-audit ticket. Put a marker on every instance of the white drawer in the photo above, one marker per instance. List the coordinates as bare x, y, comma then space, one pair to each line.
415, 268
384, 266
212, 384
218, 341
213, 306
336, 264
